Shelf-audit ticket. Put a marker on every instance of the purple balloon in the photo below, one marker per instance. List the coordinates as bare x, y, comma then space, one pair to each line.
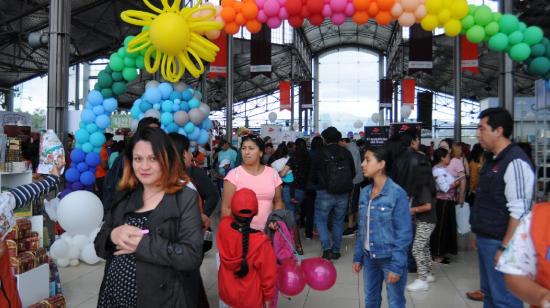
65, 192
320, 273
290, 277
77, 186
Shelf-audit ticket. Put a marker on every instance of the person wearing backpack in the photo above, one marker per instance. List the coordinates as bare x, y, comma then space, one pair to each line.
332, 172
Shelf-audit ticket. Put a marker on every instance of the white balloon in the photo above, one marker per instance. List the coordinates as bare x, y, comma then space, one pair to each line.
94, 233
80, 240
51, 208
180, 86
358, 124
59, 249
63, 262
406, 111
74, 262
205, 109
68, 238
151, 84
80, 212
134, 124
88, 254
375, 117
153, 113
74, 252
181, 117
272, 116
196, 116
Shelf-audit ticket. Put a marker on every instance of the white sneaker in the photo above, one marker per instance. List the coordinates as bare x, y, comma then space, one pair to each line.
418, 285
430, 278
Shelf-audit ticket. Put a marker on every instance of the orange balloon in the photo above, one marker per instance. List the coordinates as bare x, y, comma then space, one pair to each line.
227, 3
249, 10
240, 20
231, 28
238, 6
385, 5
228, 14
361, 5
373, 9
253, 26
383, 18
360, 17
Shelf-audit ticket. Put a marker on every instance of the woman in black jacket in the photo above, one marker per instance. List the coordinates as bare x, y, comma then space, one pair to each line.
152, 238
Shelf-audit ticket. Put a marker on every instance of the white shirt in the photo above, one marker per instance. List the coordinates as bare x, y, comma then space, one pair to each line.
367, 237
519, 179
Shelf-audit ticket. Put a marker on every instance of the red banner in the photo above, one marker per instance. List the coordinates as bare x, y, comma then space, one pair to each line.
407, 91
284, 94
219, 66
469, 55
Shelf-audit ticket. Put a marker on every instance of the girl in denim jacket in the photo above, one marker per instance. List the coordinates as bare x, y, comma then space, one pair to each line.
385, 233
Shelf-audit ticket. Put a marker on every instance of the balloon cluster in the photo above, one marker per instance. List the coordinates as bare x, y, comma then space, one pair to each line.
299, 9
236, 14
409, 12
446, 14
480, 24
272, 12
210, 34
377, 9
338, 10
177, 106
538, 62
318, 273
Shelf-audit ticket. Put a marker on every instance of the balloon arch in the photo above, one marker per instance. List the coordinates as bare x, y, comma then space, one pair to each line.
175, 40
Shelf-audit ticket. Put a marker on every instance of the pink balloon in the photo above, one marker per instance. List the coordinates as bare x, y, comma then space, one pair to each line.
420, 12
406, 19
262, 17
271, 8
350, 9
327, 11
260, 3
396, 10
290, 278
338, 5
283, 14
274, 22
320, 273
338, 18
410, 5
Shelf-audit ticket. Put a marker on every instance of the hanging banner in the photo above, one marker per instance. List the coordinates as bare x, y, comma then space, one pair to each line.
396, 128
260, 53
386, 93
469, 55
306, 96
420, 50
219, 66
407, 91
376, 135
284, 95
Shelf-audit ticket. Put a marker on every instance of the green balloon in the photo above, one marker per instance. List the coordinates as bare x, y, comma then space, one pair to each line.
119, 88
491, 28
104, 79
139, 62
129, 62
472, 9
539, 66
132, 55
483, 15
107, 69
106, 93
533, 35
520, 52
545, 41
497, 16
97, 87
508, 23
467, 22
145, 28
122, 52
538, 50
129, 74
116, 63
476, 34
117, 76
142, 51
547, 51
515, 37
522, 26
498, 42
127, 40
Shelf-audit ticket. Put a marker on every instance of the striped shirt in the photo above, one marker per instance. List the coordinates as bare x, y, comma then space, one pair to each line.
520, 182
27, 193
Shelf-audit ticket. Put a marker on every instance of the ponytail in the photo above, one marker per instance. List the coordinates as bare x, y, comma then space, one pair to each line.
243, 227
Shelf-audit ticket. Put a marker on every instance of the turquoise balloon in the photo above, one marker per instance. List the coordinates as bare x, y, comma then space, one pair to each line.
483, 15
82, 136
515, 37
121, 52
97, 139
189, 127
87, 147
166, 118
129, 62
117, 76
498, 42
475, 34
167, 106
129, 73
140, 62
539, 66
533, 35
520, 52
548, 51
116, 62
538, 50
91, 128
104, 79
107, 92
119, 88
508, 23
194, 103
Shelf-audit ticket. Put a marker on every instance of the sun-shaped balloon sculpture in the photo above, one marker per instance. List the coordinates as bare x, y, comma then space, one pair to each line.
171, 37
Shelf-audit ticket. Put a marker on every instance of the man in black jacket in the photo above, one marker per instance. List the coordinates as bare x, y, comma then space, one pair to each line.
332, 171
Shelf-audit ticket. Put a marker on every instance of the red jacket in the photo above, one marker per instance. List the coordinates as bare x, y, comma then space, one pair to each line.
540, 230
9, 297
258, 285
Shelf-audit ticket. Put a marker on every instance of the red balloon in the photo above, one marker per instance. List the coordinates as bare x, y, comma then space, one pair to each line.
295, 21
315, 6
293, 7
316, 20
320, 273
304, 13
290, 278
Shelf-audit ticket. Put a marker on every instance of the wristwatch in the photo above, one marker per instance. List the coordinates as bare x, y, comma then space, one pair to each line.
502, 248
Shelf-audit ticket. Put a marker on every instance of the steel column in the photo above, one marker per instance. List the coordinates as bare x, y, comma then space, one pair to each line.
229, 89
315, 125
506, 78
457, 72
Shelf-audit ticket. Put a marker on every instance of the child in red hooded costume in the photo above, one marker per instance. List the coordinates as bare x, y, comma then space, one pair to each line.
248, 272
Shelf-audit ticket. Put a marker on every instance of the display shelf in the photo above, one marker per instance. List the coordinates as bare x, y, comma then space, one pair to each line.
14, 179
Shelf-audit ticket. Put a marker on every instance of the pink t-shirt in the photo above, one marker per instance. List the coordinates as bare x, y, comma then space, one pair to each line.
263, 185
455, 167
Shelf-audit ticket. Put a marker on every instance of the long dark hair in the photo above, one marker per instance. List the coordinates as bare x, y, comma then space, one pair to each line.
242, 225
439, 154
181, 143
316, 143
476, 153
282, 151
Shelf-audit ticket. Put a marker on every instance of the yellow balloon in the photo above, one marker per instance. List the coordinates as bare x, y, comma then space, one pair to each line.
459, 9
453, 27
434, 6
443, 17
429, 22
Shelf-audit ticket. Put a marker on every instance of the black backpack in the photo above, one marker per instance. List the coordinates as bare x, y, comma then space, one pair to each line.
111, 181
337, 175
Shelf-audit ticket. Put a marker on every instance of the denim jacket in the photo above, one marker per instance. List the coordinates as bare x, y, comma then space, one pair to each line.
390, 226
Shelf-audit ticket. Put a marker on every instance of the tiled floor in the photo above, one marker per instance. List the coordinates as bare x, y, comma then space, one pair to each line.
81, 283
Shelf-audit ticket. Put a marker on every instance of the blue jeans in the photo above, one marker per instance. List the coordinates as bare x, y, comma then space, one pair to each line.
298, 195
491, 280
326, 203
374, 274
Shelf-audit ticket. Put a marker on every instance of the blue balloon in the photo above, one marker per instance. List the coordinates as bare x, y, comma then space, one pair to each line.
82, 136
172, 127
91, 128
156, 106
187, 94
165, 90
166, 118
78, 145
135, 111
99, 110
97, 139
97, 150
189, 127
95, 97
203, 137
167, 106
175, 107
82, 166
87, 147
207, 124
87, 116
103, 121
194, 103
93, 159
82, 125
77, 155
110, 104
184, 106
145, 105
87, 178
77, 185
88, 105
137, 102
175, 95
152, 95
73, 165
72, 175
194, 135
197, 95
141, 116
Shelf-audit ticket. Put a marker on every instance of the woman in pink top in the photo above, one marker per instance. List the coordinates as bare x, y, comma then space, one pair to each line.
263, 180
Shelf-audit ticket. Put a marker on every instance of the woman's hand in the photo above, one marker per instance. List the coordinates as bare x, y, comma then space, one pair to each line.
356, 267
273, 226
58, 165
392, 278
126, 238
205, 222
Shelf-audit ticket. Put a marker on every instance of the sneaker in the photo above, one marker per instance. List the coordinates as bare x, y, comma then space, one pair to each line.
335, 256
476, 295
327, 254
418, 285
430, 278
349, 232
